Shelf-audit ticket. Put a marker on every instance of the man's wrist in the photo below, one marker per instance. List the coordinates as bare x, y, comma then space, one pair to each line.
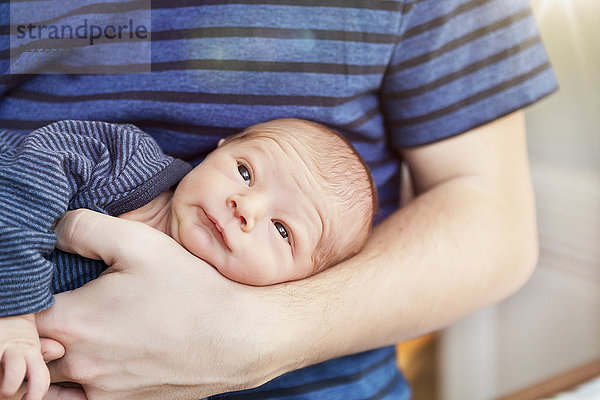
297, 322
277, 338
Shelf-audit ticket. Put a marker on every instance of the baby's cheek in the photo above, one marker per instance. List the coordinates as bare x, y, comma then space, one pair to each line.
196, 242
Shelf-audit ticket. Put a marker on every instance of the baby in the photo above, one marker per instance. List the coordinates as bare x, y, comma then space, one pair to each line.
280, 201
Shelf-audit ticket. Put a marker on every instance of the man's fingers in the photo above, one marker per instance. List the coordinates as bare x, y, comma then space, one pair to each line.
86, 233
51, 349
102, 237
15, 368
65, 393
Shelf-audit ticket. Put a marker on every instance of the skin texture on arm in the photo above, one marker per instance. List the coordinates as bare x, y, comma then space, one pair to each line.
467, 240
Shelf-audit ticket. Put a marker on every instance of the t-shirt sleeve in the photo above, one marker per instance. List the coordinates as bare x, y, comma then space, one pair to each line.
49, 171
460, 64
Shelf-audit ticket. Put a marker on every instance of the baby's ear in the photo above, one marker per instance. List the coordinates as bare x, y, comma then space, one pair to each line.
221, 142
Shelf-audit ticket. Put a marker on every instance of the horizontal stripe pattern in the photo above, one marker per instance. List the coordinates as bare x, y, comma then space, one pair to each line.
465, 71
385, 385
133, 5
186, 97
67, 165
475, 66
458, 42
290, 67
472, 99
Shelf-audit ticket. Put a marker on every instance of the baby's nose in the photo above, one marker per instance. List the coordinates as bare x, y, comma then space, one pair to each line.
249, 208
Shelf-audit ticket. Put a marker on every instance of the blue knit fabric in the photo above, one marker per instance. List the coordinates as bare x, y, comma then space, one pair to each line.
108, 168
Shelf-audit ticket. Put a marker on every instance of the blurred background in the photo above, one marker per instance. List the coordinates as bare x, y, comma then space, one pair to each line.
552, 325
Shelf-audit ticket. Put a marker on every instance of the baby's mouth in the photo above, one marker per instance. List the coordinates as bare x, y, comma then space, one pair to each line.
217, 230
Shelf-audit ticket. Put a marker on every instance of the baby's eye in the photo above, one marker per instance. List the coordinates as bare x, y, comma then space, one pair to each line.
282, 230
245, 173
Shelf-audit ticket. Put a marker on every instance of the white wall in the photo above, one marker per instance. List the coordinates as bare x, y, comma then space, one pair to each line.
565, 128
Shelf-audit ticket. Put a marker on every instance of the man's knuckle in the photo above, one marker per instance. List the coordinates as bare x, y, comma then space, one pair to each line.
69, 225
74, 371
63, 328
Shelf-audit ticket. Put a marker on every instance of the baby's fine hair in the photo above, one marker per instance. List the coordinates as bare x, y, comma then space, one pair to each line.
343, 174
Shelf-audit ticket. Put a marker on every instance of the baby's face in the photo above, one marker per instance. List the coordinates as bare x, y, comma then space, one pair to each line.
253, 210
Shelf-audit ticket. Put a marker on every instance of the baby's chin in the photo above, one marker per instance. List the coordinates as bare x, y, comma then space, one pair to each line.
242, 274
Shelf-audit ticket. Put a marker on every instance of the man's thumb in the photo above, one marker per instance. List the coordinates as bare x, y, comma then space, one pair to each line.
101, 237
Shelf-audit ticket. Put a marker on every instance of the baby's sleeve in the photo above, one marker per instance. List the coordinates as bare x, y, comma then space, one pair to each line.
42, 175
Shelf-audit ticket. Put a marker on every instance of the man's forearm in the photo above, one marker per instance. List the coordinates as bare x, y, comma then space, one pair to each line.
448, 253
459, 246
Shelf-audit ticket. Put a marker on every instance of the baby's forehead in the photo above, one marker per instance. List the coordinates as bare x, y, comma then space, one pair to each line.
277, 148
284, 156
282, 138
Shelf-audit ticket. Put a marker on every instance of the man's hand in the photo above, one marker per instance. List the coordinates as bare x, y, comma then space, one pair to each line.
156, 325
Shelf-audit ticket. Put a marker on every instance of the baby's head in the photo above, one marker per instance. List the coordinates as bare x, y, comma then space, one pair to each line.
280, 201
